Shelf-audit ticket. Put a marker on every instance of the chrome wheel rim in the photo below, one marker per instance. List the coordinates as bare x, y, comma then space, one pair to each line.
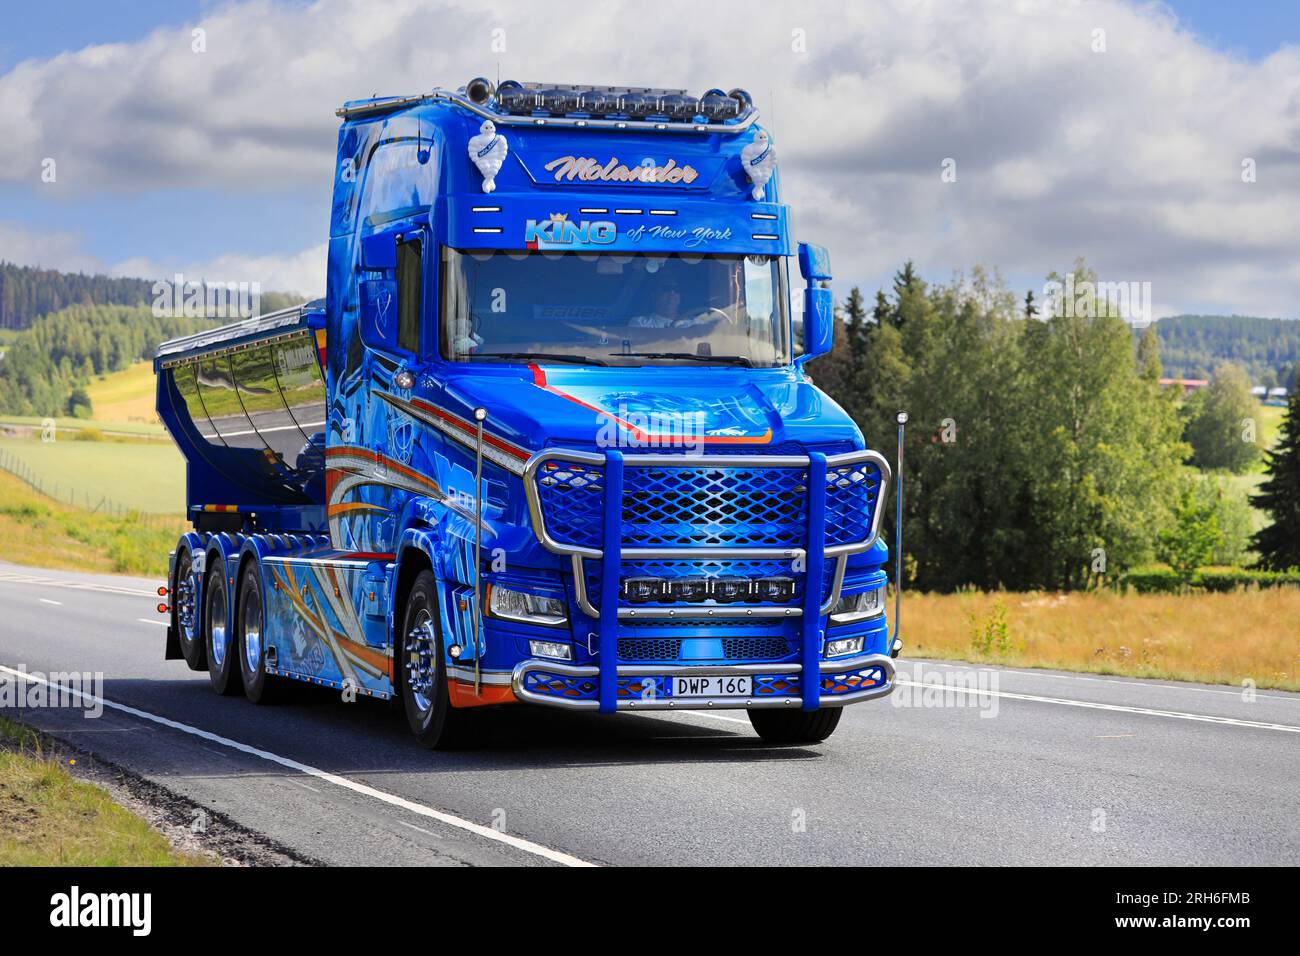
421, 669
217, 625
185, 609
253, 634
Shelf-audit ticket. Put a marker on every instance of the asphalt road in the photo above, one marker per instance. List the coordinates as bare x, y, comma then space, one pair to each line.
1016, 767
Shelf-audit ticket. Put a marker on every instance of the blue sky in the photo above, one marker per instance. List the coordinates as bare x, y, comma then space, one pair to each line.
226, 163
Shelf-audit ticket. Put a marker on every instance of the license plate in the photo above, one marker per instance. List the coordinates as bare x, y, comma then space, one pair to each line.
711, 686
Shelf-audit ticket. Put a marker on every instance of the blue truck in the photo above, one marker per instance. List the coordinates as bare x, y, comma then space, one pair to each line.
548, 438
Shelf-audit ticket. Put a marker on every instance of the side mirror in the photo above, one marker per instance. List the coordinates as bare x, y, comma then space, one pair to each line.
379, 252
819, 304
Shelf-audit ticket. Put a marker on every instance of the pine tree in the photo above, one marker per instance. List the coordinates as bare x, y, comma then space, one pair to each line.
1278, 544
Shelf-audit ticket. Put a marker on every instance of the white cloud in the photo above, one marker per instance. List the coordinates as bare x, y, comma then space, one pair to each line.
47, 250
1131, 157
302, 272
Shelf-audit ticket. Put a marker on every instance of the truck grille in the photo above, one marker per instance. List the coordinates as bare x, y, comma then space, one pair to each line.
706, 507
769, 648
714, 507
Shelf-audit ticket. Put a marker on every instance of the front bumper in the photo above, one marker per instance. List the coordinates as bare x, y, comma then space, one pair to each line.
649, 686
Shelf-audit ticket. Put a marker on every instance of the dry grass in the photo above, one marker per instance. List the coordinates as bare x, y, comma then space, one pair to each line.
125, 396
1211, 638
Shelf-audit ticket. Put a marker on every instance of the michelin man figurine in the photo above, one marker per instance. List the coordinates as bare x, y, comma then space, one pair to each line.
759, 160
488, 151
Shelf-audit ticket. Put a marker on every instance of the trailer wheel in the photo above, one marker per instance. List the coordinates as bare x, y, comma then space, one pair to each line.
421, 671
185, 612
795, 726
250, 639
223, 669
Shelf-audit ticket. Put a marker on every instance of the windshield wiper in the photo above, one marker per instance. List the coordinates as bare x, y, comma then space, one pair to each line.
543, 356
720, 359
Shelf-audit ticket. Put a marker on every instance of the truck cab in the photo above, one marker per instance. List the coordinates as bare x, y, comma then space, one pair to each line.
548, 439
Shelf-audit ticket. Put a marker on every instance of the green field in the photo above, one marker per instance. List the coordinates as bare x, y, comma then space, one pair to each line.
144, 476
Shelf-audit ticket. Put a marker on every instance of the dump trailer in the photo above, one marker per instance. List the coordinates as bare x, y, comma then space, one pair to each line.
547, 440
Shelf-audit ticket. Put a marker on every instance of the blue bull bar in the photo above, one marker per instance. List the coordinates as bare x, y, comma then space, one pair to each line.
840, 502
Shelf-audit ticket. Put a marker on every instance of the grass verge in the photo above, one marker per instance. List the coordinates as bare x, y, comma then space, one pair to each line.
36, 530
48, 818
1208, 638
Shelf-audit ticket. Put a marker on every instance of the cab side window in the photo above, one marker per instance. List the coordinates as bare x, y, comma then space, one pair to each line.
410, 294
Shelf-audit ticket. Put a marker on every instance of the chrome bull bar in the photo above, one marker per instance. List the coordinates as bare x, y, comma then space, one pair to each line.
519, 677
813, 556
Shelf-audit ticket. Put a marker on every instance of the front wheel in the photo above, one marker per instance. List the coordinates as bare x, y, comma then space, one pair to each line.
223, 670
421, 671
795, 726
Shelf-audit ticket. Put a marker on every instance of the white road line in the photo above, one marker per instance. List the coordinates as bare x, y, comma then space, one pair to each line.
518, 843
72, 585
1093, 705
146, 620
48, 601
1099, 680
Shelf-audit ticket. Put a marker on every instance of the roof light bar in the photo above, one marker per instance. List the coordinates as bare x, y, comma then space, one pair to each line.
557, 104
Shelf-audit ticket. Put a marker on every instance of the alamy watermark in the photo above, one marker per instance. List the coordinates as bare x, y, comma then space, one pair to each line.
657, 429
203, 299
934, 688
1130, 301
72, 690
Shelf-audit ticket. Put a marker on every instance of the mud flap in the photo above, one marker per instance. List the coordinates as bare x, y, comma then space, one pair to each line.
173, 645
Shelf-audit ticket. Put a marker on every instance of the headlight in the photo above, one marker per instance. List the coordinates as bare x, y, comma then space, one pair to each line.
858, 607
510, 605
553, 649
846, 645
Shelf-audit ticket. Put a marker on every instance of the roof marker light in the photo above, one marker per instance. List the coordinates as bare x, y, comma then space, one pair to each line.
663, 212
487, 228
627, 212
485, 209
761, 215
765, 235
592, 210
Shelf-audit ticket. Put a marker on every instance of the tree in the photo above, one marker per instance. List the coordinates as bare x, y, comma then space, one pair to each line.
1278, 544
1101, 449
1221, 422
1190, 543
1149, 365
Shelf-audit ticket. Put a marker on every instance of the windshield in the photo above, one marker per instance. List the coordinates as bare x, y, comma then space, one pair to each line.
613, 308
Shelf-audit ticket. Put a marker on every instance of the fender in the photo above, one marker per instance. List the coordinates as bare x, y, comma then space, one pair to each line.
445, 536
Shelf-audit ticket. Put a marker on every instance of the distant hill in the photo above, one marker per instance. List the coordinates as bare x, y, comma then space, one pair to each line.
1192, 345
28, 293
59, 330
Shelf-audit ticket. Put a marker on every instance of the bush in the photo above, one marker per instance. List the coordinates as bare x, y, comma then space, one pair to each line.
1166, 581
1234, 580
1151, 581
